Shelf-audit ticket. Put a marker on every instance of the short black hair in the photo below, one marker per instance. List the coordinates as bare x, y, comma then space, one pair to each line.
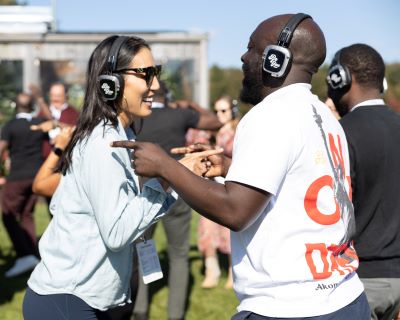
24, 102
365, 64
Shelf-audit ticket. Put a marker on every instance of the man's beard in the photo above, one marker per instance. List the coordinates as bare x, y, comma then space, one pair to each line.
251, 85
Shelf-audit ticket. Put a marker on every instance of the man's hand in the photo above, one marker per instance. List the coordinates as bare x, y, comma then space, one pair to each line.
35, 91
148, 158
45, 126
217, 165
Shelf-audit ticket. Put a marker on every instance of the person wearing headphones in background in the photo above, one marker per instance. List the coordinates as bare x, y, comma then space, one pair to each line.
355, 85
99, 208
286, 195
212, 236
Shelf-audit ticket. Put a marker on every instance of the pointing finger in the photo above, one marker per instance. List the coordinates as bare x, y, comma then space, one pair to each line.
180, 150
206, 153
124, 144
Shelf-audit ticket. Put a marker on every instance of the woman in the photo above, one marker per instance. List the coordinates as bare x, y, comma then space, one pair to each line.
98, 207
212, 236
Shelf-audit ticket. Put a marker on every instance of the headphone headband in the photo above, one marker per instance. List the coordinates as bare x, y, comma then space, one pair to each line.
286, 34
278, 58
111, 84
113, 54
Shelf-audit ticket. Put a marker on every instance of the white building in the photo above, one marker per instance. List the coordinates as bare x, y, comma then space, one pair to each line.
32, 52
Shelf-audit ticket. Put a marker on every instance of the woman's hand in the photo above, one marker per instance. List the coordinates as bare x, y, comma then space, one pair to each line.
197, 162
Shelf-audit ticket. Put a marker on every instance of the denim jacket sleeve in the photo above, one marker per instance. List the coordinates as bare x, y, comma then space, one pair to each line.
121, 210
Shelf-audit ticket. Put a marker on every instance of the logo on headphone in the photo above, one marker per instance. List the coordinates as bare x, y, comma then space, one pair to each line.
273, 61
335, 78
106, 89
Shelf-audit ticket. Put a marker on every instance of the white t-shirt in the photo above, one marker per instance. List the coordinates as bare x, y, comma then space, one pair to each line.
281, 261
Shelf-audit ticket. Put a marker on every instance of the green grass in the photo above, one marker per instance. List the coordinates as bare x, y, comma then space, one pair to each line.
218, 303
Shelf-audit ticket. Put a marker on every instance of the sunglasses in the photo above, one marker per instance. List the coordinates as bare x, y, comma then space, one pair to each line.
149, 73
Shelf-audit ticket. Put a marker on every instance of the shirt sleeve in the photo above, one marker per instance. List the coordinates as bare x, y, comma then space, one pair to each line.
121, 211
5, 133
192, 117
264, 149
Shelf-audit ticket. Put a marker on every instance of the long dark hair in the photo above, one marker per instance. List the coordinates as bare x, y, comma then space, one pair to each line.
95, 109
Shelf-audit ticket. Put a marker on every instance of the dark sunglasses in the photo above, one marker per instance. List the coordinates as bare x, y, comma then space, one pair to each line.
149, 73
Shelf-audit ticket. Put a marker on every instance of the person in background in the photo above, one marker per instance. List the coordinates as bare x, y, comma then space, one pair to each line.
167, 126
18, 201
286, 196
355, 85
58, 110
212, 236
47, 178
99, 208
329, 103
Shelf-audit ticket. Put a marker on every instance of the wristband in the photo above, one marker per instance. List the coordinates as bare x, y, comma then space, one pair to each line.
58, 151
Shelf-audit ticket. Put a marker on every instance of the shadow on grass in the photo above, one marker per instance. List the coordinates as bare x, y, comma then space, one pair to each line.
10, 286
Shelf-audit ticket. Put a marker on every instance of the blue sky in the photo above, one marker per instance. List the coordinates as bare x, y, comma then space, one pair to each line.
229, 23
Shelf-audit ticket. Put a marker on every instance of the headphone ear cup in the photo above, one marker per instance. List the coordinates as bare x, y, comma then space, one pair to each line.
276, 60
338, 77
110, 86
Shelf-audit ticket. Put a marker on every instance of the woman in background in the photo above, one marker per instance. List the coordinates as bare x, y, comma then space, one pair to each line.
213, 237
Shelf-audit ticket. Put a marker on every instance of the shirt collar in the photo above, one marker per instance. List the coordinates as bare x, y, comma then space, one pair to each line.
372, 102
24, 115
295, 86
157, 105
56, 112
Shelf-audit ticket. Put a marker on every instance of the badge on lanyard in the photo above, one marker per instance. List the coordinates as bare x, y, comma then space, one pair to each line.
148, 261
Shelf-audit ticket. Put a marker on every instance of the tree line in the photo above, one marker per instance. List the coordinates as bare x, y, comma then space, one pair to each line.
229, 81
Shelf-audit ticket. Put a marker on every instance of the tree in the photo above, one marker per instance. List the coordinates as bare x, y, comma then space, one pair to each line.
8, 2
229, 81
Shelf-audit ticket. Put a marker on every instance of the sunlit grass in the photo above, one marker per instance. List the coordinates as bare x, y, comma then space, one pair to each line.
218, 303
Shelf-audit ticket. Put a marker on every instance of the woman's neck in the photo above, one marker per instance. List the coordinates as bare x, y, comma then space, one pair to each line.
125, 120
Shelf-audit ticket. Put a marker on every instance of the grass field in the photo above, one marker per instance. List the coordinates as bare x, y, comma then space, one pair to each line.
218, 303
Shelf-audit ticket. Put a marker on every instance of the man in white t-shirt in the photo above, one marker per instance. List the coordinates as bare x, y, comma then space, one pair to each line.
286, 197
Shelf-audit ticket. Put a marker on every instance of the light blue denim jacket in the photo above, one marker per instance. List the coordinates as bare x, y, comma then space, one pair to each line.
98, 211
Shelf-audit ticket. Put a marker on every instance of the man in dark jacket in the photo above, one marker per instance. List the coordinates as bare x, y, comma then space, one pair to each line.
355, 84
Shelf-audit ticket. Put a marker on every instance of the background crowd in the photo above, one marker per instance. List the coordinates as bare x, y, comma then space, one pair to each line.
39, 135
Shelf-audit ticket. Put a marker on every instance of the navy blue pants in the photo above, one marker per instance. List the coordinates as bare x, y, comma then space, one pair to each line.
357, 310
58, 307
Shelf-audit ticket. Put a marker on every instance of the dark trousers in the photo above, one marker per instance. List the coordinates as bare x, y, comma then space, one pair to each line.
177, 228
58, 307
357, 310
18, 204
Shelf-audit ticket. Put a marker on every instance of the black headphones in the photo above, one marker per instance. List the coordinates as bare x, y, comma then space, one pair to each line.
111, 84
339, 75
277, 58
